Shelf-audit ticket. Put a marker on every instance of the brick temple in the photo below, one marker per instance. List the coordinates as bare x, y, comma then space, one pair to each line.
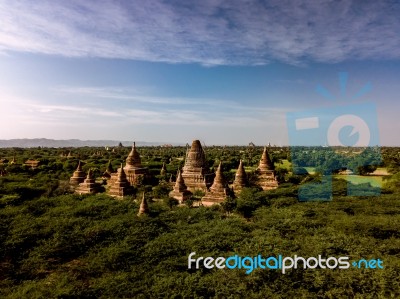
218, 191
266, 172
195, 171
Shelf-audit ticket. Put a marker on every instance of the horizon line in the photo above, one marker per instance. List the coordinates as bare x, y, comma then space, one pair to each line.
175, 144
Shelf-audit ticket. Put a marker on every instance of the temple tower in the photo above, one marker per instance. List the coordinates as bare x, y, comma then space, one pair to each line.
78, 176
144, 208
195, 169
218, 191
180, 191
266, 172
240, 178
120, 186
135, 172
89, 185
163, 171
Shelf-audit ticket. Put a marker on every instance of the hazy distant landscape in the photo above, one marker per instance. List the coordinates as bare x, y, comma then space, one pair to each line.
44, 142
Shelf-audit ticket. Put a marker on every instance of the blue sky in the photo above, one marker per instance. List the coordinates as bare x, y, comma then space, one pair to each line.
225, 72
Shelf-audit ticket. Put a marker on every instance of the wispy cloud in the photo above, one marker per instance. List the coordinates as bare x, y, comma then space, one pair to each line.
207, 32
131, 95
94, 114
123, 94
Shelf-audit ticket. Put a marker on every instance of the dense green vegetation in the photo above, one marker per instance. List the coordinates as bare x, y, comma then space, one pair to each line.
58, 245
97, 247
328, 160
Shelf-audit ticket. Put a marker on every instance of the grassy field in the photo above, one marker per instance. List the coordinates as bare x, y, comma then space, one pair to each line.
375, 181
285, 164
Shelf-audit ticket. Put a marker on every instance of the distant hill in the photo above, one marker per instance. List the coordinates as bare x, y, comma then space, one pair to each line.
43, 142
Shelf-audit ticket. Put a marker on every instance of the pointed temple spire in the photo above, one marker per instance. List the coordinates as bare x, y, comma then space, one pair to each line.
121, 177
219, 179
133, 159
120, 186
180, 191
240, 178
265, 162
266, 173
144, 208
89, 185
163, 171
78, 176
135, 172
89, 174
179, 179
218, 191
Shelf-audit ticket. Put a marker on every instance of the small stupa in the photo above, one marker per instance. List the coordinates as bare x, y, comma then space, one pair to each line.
135, 172
218, 191
266, 172
240, 178
195, 168
120, 186
163, 171
180, 191
89, 185
144, 208
78, 176
33, 164
109, 170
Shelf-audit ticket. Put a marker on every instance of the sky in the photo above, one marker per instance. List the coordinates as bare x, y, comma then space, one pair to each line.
224, 72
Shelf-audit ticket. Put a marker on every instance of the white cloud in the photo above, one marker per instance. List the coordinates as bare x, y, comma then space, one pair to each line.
128, 94
207, 32
94, 114
119, 95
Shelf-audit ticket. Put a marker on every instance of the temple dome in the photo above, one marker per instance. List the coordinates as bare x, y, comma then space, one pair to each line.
195, 156
133, 160
195, 170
